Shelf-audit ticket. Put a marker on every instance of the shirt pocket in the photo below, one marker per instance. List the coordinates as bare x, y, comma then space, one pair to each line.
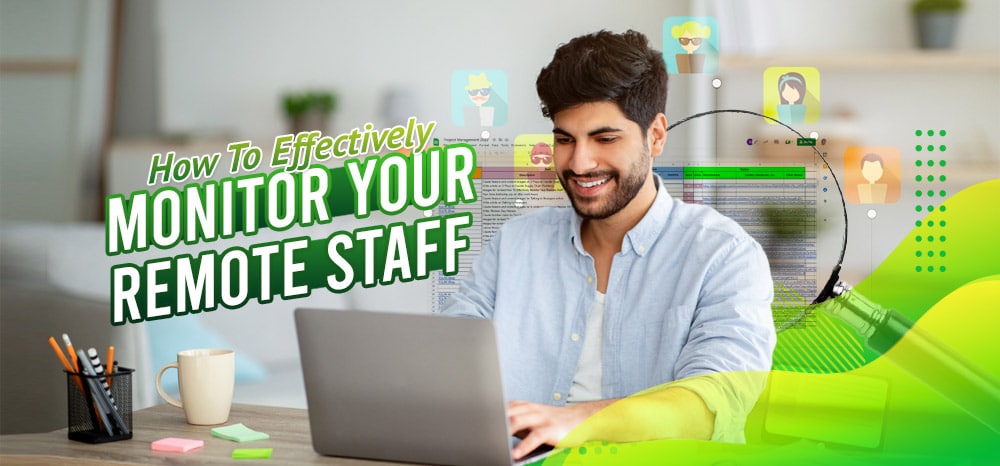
653, 347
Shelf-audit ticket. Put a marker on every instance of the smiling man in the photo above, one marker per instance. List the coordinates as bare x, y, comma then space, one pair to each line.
630, 289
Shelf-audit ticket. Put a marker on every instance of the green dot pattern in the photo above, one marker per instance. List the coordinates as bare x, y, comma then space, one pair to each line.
930, 260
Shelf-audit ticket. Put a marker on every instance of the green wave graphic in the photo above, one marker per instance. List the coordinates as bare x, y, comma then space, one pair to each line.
954, 245
879, 414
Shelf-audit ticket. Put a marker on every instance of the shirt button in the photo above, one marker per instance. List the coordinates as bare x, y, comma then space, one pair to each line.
557, 396
575, 337
642, 249
590, 279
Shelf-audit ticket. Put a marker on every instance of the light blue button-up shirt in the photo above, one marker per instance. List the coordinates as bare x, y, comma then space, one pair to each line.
688, 294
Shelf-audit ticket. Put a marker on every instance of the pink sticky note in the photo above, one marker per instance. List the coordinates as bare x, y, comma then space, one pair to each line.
176, 445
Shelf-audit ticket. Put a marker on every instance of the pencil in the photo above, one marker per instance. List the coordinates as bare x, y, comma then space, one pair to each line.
59, 353
65, 363
72, 353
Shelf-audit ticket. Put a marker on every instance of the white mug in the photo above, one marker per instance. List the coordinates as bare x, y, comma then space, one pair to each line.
205, 378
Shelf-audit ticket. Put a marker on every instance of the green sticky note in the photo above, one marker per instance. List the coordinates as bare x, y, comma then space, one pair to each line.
251, 453
838, 408
239, 433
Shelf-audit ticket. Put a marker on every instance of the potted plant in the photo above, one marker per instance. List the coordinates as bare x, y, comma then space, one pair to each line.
310, 110
937, 21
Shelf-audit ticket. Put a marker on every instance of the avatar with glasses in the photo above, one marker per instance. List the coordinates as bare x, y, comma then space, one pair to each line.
691, 35
488, 108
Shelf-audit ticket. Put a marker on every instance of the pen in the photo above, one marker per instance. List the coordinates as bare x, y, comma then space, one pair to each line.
103, 401
72, 353
95, 362
98, 396
968, 386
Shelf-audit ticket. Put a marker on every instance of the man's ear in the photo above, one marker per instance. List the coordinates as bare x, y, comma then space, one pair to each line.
657, 134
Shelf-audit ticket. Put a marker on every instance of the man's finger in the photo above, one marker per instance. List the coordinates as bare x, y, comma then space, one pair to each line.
526, 420
521, 409
518, 403
527, 445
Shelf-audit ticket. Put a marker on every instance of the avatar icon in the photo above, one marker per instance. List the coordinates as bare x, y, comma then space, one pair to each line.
691, 35
872, 170
792, 91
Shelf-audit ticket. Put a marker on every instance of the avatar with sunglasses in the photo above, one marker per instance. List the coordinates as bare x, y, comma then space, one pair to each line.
488, 108
691, 35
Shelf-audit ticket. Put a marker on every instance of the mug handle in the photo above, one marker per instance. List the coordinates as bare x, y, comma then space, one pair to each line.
169, 399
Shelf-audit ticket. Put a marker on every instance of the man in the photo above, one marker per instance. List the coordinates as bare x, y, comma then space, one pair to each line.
628, 290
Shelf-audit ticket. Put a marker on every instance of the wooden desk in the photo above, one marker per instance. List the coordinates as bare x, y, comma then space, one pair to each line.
288, 428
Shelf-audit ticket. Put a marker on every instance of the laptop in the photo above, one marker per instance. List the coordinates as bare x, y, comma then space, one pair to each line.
417, 388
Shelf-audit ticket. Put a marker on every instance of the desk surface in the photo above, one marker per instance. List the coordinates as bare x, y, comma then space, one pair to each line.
288, 428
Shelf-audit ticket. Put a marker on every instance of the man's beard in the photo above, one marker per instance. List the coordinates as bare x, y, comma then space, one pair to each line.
625, 190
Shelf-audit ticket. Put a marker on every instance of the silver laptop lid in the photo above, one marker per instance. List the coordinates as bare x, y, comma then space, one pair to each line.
403, 387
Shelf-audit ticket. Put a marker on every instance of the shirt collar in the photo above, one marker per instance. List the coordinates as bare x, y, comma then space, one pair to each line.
642, 236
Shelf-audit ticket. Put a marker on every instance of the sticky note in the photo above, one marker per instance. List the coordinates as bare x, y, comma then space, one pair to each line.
251, 453
176, 445
838, 408
239, 433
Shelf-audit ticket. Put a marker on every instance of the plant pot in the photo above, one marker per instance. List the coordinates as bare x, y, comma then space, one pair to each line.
313, 120
936, 30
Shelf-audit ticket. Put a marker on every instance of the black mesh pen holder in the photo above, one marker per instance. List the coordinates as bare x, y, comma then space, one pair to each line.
99, 406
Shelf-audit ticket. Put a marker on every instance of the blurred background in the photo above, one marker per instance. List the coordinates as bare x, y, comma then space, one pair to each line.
90, 89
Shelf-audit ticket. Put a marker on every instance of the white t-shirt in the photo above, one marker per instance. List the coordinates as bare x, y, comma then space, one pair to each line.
587, 381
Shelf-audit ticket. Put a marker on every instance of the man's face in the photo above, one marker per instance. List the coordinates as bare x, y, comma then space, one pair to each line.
602, 158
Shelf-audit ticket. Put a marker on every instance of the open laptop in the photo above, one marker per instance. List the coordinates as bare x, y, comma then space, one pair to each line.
403, 387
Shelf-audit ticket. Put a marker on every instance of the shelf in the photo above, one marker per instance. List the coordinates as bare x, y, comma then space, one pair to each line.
39, 66
878, 61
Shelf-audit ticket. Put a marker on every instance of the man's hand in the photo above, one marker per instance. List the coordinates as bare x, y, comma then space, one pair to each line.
537, 424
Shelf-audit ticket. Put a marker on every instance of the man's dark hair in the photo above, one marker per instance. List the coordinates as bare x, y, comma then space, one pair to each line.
606, 67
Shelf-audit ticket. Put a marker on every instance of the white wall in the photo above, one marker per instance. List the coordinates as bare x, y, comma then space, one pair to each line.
885, 101
224, 64
52, 121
